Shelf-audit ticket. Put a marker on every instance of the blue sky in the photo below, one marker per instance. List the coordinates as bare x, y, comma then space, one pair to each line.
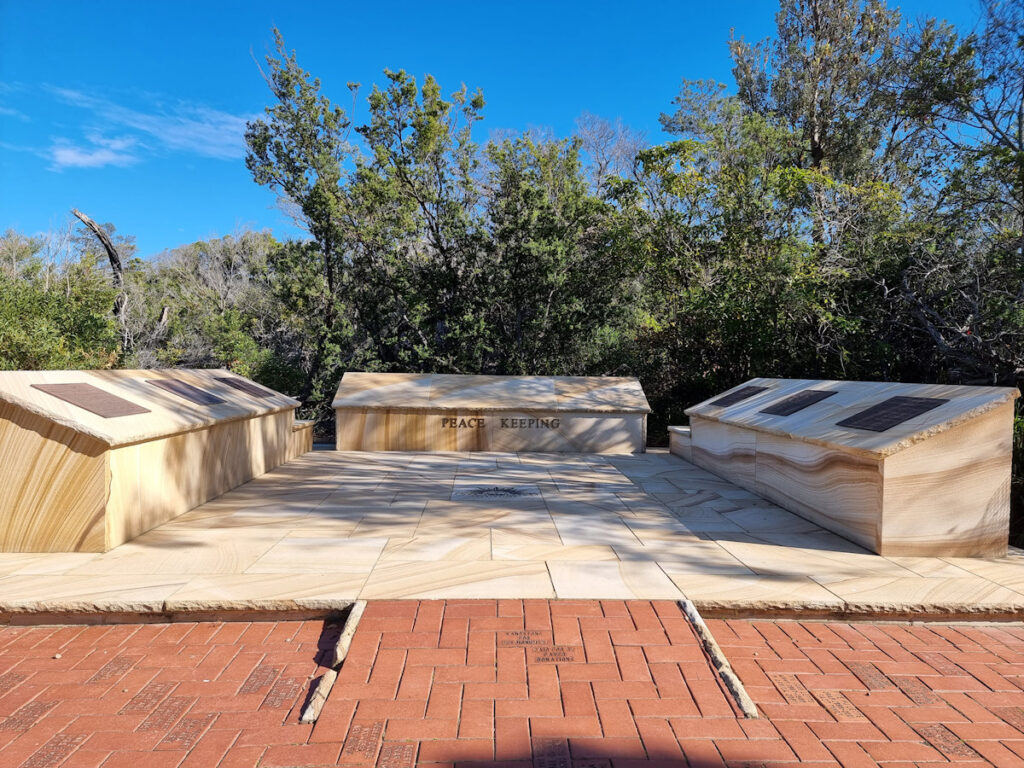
134, 111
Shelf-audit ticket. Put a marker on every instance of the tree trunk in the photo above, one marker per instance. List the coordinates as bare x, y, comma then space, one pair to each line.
116, 268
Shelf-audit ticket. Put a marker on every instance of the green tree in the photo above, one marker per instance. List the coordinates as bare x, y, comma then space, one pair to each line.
554, 291
53, 314
300, 151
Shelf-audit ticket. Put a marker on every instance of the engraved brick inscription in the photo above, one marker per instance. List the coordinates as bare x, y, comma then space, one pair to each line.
55, 750
114, 669
947, 742
522, 637
362, 743
167, 714
870, 676
27, 716
791, 688
838, 705
282, 694
554, 654
397, 755
147, 699
551, 753
187, 732
260, 678
916, 691
10, 680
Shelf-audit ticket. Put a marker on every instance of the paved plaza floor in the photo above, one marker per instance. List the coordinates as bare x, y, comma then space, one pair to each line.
512, 684
330, 527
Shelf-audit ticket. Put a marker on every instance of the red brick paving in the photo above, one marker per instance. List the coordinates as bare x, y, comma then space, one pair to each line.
552, 684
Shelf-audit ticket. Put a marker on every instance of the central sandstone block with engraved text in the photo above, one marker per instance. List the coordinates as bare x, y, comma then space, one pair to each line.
902, 469
445, 412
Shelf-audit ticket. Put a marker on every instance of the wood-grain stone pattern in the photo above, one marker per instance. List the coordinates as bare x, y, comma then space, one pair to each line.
72, 480
936, 484
435, 412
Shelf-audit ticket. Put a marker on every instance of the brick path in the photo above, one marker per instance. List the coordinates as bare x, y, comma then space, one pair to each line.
559, 684
883, 693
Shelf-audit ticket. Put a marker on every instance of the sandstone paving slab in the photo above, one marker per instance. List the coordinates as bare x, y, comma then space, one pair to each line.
77, 593
185, 552
474, 547
449, 579
517, 545
622, 580
268, 591
738, 591
16, 563
956, 594
384, 524
298, 554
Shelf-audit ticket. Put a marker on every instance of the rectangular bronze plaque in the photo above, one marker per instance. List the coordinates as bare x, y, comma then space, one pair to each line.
790, 405
741, 394
185, 390
888, 413
245, 386
92, 399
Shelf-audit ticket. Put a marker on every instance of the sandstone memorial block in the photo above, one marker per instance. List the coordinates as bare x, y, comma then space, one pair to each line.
901, 469
446, 412
92, 459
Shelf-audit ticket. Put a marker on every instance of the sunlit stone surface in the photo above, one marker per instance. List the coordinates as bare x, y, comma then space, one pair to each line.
91, 459
435, 412
936, 483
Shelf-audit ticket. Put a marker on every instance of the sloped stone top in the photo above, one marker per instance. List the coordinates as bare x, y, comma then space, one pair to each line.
169, 408
818, 423
433, 392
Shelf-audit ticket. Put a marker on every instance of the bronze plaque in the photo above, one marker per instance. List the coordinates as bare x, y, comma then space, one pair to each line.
790, 405
185, 390
92, 399
245, 386
888, 413
741, 394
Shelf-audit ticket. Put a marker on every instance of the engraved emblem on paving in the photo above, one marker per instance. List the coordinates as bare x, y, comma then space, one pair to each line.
495, 492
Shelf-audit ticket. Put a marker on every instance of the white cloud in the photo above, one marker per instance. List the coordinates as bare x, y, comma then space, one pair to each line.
182, 126
10, 112
63, 154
